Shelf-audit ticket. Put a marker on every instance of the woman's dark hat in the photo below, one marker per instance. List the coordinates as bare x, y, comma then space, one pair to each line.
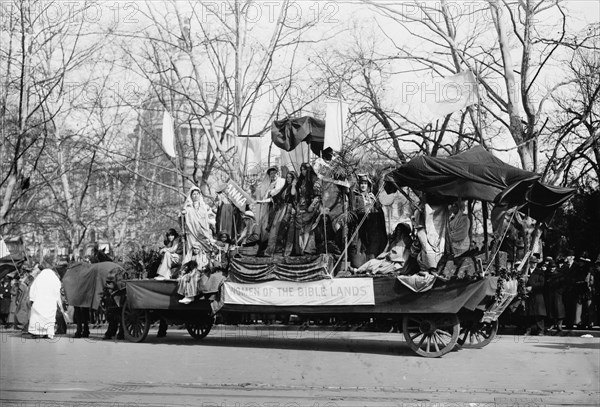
272, 169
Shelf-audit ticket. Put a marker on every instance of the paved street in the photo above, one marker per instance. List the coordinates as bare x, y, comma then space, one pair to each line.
245, 366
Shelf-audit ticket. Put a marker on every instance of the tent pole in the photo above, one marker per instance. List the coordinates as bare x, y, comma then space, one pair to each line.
246, 155
345, 231
470, 215
485, 229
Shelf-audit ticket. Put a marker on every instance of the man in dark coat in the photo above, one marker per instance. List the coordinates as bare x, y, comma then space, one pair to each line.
570, 269
555, 288
536, 307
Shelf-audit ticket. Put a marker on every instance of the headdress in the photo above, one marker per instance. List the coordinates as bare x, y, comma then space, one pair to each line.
364, 178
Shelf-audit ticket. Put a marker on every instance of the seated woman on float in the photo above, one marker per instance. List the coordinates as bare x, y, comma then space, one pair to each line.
171, 255
187, 284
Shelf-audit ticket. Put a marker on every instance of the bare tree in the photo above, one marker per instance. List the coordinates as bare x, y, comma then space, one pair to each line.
574, 155
39, 55
219, 74
486, 38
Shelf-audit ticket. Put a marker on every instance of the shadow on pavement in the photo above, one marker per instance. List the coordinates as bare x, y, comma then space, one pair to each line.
595, 345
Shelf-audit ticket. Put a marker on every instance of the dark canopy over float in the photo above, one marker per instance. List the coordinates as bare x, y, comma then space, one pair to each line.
477, 174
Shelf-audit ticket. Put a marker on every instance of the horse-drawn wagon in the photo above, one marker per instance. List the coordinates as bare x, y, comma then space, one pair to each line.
451, 312
433, 322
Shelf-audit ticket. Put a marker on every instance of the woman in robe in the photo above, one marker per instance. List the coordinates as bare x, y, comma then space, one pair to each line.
187, 283
171, 255
228, 218
198, 232
45, 297
371, 239
284, 204
308, 199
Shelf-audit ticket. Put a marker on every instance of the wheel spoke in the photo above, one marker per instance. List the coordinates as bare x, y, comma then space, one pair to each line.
421, 341
439, 336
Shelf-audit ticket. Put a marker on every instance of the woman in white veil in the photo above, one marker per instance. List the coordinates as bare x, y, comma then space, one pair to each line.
198, 232
45, 295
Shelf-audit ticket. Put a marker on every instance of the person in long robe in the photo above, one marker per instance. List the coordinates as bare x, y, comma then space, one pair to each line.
171, 253
371, 239
187, 284
285, 207
248, 239
430, 225
228, 217
45, 297
308, 207
394, 258
270, 187
198, 232
458, 229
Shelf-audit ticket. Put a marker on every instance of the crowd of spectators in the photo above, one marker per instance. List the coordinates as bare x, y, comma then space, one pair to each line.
562, 293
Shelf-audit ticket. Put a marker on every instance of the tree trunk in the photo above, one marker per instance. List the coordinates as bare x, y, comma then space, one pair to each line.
512, 91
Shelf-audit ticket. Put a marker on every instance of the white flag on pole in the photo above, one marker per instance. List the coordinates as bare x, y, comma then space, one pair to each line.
335, 124
450, 94
3, 249
168, 135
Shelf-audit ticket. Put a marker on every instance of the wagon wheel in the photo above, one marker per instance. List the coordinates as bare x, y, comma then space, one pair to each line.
476, 335
200, 328
431, 335
136, 323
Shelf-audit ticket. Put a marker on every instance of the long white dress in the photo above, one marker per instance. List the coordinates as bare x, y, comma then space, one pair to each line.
198, 231
45, 294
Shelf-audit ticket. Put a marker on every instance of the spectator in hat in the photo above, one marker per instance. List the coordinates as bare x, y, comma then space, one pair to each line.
596, 292
570, 268
555, 288
536, 307
583, 285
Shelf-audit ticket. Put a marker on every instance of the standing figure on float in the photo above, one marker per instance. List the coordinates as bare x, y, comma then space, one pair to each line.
270, 187
371, 238
308, 206
198, 231
281, 230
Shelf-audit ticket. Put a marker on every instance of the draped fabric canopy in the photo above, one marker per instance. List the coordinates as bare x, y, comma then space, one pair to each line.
288, 133
477, 174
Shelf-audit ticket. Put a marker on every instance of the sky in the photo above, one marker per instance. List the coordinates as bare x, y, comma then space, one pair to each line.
334, 18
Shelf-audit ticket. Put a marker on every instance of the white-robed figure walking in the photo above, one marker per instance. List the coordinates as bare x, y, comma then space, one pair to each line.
45, 295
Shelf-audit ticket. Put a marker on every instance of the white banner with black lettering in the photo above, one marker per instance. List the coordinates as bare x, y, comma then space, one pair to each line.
337, 291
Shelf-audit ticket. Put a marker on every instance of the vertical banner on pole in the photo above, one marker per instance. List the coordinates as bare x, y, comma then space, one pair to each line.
168, 135
335, 123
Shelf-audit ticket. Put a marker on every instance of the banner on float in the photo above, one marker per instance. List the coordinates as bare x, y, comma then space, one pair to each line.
238, 196
337, 291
